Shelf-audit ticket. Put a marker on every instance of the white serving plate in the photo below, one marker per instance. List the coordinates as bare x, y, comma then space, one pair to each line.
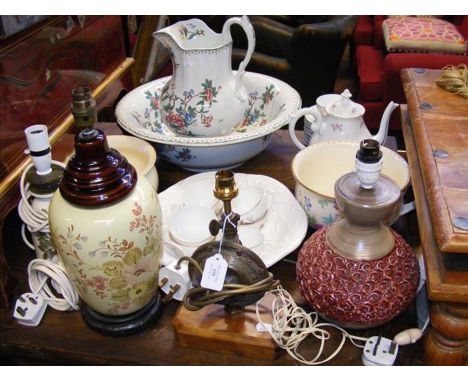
283, 227
138, 113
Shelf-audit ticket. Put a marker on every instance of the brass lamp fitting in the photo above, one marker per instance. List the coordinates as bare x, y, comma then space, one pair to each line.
225, 190
84, 109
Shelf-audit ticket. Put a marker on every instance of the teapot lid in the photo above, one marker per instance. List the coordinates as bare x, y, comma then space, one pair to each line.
345, 108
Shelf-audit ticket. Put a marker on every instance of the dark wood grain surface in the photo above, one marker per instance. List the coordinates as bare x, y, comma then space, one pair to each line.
439, 120
63, 337
447, 277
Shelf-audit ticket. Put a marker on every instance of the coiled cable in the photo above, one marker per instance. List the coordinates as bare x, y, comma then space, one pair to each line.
291, 325
35, 220
40, 271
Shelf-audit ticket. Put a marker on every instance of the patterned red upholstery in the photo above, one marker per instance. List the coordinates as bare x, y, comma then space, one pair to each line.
379, 71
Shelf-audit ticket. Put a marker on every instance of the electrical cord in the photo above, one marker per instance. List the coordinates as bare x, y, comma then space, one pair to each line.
291, 325
35, 220
198, 297
40, 271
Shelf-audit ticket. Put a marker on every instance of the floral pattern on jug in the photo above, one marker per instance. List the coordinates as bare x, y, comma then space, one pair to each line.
190, 31
124, 274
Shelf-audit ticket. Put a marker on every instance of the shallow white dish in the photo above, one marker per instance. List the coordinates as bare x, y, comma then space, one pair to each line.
188, 225
201, 194
251, 204
272, 101
251, 237
283, 227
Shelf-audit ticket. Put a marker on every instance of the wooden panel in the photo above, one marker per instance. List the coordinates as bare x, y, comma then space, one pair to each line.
39, 69
439, 121
211, 328
443, 285
99, 93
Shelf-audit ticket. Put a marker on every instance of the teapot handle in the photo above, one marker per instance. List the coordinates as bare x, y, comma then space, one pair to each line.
293, 120
246, 25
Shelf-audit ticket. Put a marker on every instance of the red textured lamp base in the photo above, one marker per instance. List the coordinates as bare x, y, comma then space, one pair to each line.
356, 294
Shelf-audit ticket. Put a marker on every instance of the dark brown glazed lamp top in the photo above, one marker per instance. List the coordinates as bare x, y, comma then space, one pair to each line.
96, 175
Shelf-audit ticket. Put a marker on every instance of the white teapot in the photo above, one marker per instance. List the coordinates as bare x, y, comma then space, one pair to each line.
343, 119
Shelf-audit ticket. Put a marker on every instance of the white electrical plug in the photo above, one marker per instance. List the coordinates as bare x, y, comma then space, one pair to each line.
29, 309
408, 336
379, 351
175, 282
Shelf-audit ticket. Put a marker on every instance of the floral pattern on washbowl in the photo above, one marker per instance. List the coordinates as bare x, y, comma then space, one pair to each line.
182, 114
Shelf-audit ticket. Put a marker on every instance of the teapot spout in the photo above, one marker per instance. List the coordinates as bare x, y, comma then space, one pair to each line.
381, 136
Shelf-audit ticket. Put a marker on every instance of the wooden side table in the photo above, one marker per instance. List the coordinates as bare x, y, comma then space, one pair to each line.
64, 338
435, 131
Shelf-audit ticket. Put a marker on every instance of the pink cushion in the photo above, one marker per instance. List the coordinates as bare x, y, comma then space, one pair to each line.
370, 66
422, 34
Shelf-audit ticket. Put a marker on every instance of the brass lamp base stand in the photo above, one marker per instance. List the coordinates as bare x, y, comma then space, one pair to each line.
213, 329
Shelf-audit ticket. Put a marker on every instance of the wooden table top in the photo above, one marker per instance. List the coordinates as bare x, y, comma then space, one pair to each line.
64, 338
439, 121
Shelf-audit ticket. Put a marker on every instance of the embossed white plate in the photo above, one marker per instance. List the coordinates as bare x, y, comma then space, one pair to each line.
283, 227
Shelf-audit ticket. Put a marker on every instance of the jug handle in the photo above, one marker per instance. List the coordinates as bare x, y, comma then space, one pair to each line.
293, 120
246, 25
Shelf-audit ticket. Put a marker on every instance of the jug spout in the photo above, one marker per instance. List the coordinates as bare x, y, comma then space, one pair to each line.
190, 35
381, 136
164, 36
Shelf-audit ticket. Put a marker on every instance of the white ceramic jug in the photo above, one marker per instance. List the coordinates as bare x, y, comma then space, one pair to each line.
204, 96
